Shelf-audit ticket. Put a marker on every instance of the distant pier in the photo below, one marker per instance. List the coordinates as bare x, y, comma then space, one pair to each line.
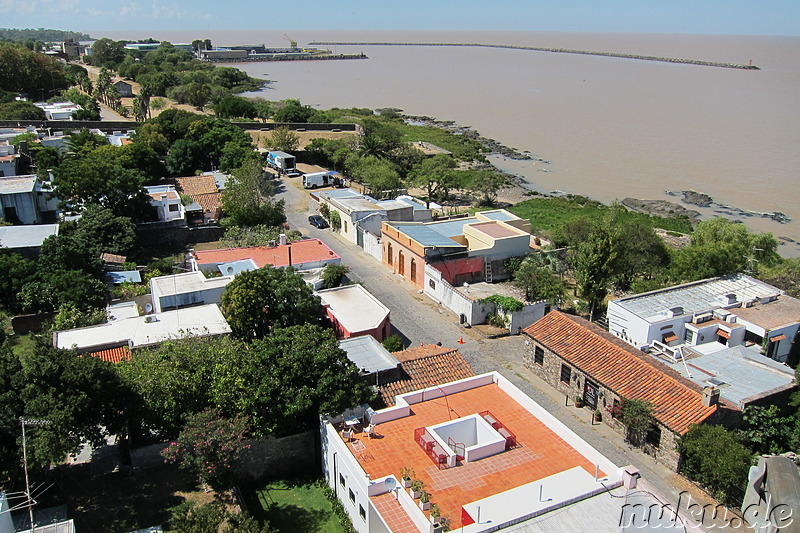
557, 50
286, 57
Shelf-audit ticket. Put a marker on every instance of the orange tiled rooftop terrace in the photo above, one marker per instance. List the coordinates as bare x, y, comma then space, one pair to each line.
539, 452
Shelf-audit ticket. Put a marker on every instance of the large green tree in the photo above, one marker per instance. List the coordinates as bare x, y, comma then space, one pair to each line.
539, 282
720, 246
178, 378
94, 179
434, 175
20, 111
15, 272
107, 53
249, 199
36, 75
593, 266
289, 378
80, 397
257, 302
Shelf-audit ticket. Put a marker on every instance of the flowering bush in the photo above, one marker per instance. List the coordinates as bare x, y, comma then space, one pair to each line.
210, 446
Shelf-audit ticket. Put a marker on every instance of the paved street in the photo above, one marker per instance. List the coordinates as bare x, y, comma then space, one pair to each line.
421, 320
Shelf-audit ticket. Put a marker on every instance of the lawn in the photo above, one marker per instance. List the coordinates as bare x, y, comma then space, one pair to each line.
293, 505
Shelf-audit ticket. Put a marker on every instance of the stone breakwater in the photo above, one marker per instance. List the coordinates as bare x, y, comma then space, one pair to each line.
285, 58
556, 50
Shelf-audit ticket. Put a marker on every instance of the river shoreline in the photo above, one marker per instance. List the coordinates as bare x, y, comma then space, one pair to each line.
520, 189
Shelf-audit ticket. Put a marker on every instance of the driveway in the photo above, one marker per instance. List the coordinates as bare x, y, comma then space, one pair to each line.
420, 320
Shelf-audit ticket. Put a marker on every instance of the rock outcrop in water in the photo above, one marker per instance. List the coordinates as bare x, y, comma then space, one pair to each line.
697, 198
661, 208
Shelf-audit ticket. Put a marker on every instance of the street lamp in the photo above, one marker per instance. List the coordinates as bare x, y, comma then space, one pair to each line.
29, 422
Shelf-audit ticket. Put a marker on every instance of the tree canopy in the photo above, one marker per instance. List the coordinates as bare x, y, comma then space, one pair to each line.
248, 198
80, 397
24, 71
257, 302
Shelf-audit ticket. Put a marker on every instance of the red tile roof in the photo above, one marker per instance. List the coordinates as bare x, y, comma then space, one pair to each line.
416, 352
305, 251
190, 185
425, 366
677, 403
113, 355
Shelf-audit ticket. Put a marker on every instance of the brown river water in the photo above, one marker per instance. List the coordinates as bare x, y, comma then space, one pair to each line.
608, 127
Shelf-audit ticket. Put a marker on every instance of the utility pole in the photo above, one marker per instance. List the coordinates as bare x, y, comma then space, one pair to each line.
30, 422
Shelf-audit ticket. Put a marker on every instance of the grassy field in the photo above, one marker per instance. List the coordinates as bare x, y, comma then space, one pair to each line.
461, 147
293, 505
549, 214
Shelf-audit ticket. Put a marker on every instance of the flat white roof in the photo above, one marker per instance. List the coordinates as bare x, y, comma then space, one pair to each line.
694, 297
149, 329
368, 354
354, 307
187, 282
17, 184
26, 236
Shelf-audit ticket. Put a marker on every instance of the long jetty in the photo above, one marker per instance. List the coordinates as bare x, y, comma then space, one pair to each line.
320, 57
557, 50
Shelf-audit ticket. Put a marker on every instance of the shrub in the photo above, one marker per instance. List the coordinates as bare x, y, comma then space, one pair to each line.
714, 457
393, 343
637, 415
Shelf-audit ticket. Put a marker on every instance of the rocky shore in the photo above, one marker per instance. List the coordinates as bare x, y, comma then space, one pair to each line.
660, 208
703, 200
490, 144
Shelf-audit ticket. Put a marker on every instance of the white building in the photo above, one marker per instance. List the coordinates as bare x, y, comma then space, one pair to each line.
59, 110
709, 315
186, 289
490, 459
146, 330
167, 202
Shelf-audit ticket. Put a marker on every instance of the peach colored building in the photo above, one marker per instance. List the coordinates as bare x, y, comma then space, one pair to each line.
460, 248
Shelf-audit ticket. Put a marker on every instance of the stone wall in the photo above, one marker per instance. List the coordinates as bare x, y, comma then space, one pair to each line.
281, 457
550, 370
267, 457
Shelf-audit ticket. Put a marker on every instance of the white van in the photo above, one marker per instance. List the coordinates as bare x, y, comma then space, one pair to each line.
319, 179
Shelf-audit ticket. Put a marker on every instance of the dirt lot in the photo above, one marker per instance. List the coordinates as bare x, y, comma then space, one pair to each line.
260, 137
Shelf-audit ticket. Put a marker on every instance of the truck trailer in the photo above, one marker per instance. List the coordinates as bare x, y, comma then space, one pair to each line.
282, 162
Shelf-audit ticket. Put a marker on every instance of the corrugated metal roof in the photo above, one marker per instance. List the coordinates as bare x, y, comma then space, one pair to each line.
694, 297
426, 236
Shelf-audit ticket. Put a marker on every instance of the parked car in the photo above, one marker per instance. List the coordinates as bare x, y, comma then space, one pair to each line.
317, 221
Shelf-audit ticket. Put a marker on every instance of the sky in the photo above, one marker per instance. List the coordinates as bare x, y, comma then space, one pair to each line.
744, 17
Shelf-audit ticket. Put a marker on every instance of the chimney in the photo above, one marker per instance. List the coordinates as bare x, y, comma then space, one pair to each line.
282, 239
710, 396
163, 197
289, 248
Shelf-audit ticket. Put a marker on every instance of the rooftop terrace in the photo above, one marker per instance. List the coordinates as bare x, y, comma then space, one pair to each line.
548, 461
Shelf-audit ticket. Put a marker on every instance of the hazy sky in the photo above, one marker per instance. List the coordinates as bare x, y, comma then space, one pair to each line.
753, 17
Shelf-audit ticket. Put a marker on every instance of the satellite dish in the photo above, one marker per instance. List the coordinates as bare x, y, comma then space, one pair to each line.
389, 484
230, 270
148, 308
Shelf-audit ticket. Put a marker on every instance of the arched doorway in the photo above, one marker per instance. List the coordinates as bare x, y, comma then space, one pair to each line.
401, 264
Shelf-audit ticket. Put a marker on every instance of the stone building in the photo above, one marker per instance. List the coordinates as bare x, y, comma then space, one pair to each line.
589, 364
